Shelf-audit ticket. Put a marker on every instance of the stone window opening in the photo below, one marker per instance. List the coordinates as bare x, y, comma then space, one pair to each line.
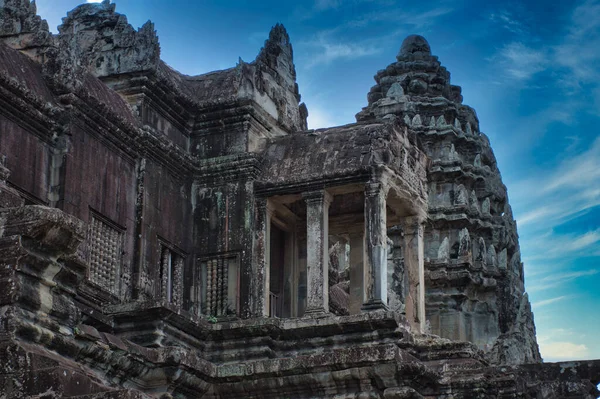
171, 274
105, 240
219, 279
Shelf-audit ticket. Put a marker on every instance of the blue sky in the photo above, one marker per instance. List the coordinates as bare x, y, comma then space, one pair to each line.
531, 70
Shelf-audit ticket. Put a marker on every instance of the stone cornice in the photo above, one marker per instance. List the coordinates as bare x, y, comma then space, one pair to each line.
26, 108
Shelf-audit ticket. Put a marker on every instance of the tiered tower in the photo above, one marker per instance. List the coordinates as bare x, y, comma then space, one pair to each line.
474, 275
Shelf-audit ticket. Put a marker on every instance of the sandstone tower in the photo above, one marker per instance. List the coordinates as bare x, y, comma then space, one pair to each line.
474, 275
174, 236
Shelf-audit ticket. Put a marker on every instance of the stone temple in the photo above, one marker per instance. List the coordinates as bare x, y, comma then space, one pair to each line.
173, 236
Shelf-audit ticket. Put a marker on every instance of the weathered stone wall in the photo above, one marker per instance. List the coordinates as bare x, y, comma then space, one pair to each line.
149, 176
224, 227
164, 213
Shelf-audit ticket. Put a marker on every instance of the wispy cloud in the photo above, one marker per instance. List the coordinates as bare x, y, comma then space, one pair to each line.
550, 301
568, 191
336, 43
408, 19
579, 52
327, 51
520, 61
556, 280
508, 21
572, 59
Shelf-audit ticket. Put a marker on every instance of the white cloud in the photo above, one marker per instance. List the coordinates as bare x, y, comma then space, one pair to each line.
520, 61
508, 21
547, 302
407, 19
563, 350
331, 45
558, 279
571, 189
571, 275
579, 52
572, 59
563, 344
326, 50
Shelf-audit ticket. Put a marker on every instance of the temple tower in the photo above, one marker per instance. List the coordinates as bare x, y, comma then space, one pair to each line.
474, 274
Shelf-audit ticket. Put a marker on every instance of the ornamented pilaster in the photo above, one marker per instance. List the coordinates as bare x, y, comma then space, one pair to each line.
376, 247
317, 225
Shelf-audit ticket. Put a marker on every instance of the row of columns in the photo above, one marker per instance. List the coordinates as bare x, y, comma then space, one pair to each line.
373, 255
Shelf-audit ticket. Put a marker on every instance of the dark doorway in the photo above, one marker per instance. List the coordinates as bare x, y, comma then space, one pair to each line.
277, 262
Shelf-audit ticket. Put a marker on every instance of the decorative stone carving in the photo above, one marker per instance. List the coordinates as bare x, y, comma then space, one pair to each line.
491, 256
395, 91
481, 251
461, 196
502, 259
457, 124
441, 122
464, 243
474, 202
485, 207
444, 250
416, 121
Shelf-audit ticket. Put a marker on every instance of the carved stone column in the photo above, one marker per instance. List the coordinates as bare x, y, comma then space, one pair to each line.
178, 282
415, 271
376, 248
317, 251
262, 239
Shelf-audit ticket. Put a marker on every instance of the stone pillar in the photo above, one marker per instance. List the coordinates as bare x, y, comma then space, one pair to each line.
317, 251
262, 239
357, 271
375, 291
415, 271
